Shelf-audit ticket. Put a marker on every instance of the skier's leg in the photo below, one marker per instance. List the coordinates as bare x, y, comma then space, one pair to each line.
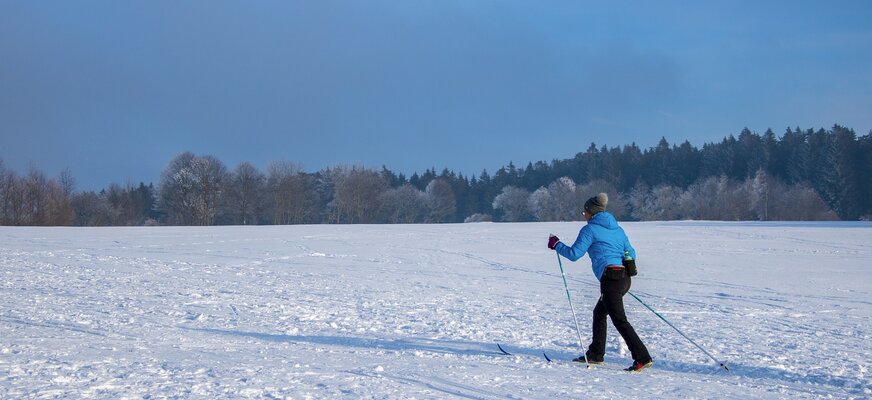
613, 294
597, 348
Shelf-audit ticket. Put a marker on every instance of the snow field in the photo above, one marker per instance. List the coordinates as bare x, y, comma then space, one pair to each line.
414, 311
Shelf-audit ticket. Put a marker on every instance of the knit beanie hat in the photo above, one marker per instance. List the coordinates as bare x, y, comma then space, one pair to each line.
596, 204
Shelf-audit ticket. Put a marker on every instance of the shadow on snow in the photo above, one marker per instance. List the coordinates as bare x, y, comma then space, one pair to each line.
467, 348
439, 346
738, 370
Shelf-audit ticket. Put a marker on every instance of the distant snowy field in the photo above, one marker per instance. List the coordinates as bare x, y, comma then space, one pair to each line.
414, 311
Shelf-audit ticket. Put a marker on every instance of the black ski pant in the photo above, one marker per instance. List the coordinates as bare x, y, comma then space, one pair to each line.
613, 286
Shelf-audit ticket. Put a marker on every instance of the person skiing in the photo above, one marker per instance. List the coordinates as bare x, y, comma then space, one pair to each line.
606, 244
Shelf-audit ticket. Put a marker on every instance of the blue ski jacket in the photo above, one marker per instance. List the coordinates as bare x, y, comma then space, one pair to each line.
603, 240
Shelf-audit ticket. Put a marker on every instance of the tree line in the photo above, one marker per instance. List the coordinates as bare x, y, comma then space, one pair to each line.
821, 174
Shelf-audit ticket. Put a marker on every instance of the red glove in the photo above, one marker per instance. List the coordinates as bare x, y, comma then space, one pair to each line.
552, 242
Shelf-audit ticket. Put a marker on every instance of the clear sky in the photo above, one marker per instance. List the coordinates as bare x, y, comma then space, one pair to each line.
114, 89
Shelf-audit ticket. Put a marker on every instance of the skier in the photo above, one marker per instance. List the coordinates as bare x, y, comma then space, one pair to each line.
606, 244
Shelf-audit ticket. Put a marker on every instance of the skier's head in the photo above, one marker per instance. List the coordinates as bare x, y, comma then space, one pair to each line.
596, 204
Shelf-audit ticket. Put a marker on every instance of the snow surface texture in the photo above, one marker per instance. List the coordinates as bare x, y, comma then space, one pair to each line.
414, 311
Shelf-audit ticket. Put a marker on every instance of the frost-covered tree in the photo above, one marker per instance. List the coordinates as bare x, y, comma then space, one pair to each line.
617, 201
190, 189
706, 199
440, 201
514, 204
176, 189
540, 205
718, 198
478, 217
660, 203
557, 202
758, 187
772, 199
664, 203
404, 205
638, 201
566, 203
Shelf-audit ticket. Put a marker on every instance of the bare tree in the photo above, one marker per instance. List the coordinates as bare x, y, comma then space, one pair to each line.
91, 209
63, 200
58, 204
14, 204
120, 205
35, 199
293, 199
210, 176
6, 182
357, 191
245, 189
35, 186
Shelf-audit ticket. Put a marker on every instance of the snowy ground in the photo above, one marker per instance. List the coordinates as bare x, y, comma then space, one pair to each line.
415, 311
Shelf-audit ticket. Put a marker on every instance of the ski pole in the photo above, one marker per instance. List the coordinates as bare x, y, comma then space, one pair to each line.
578, 331
722, 364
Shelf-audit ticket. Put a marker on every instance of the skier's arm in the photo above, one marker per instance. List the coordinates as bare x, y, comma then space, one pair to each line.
628, 247
577, 250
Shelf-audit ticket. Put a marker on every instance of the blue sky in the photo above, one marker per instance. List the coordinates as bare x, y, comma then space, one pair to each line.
113, 90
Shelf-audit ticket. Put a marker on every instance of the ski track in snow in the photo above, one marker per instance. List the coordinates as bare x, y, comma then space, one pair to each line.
415, 311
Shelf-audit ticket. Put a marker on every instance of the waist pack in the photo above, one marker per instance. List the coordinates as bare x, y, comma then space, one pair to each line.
630, 266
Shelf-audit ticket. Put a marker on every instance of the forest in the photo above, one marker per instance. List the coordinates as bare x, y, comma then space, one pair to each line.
809, 174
